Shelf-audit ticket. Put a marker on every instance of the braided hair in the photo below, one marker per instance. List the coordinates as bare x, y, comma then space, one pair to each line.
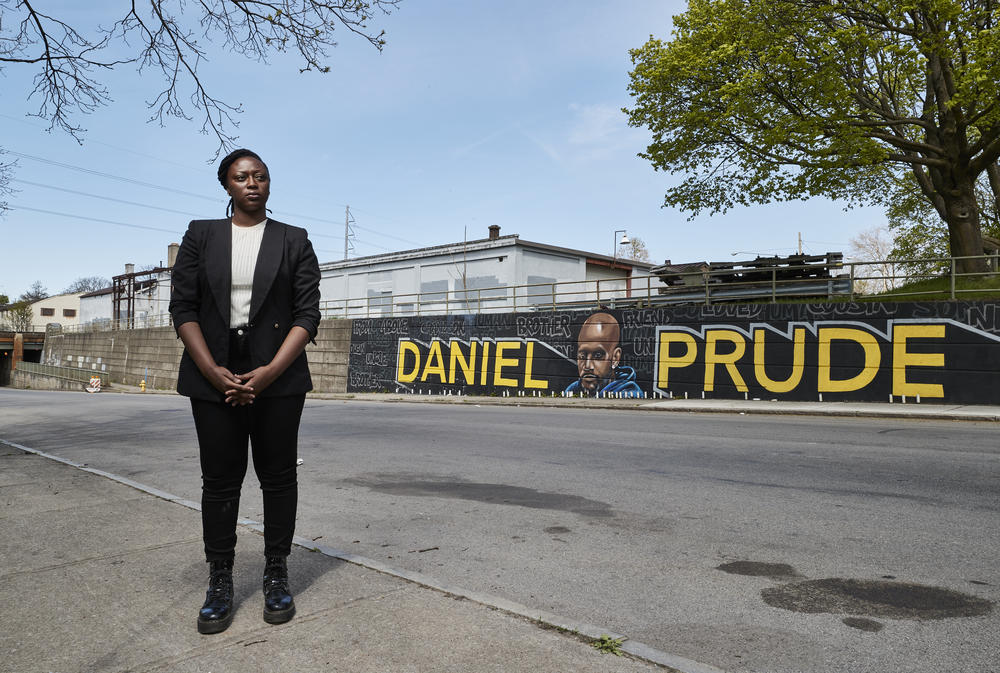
228, 161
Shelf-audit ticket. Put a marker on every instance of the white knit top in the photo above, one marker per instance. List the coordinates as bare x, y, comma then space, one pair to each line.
246, 247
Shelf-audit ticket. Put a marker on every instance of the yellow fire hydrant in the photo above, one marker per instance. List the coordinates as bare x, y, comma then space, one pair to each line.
142, 385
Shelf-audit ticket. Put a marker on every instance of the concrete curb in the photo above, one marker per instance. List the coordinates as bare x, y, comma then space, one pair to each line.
932, 412
546, 619
717, 406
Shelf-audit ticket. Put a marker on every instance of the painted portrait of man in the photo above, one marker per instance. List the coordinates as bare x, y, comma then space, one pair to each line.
598, 360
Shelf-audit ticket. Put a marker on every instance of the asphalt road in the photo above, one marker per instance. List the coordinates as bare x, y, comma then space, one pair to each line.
752, 543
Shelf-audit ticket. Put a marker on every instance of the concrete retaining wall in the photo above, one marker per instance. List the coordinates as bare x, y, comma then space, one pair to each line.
125, 355
31, 380
128, 356
328, 356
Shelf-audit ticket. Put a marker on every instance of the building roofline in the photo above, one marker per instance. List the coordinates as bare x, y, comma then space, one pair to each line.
479, 244
584, 253
61, 294
472, 246
95, 293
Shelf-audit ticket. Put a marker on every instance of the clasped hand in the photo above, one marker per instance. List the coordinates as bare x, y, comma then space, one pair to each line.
242, 389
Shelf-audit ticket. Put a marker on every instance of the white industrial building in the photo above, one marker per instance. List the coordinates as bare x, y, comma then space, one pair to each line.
62, 309
95, 307
495, 274
499, 273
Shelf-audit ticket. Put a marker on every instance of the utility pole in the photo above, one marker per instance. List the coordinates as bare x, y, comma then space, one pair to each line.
800, 244
347, 230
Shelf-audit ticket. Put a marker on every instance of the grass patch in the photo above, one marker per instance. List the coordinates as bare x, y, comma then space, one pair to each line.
933, 289
608, 645
980, 286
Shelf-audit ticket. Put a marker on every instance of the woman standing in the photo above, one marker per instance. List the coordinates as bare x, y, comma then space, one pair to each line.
245, 302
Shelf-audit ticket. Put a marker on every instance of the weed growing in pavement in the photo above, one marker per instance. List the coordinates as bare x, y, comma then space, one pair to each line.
608, 645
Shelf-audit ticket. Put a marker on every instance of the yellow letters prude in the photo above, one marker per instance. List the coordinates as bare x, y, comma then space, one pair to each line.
678, 349
798, 362
508, 363
872, 359
901, 359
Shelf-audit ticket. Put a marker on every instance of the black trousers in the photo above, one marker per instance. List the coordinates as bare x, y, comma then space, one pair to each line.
271, 426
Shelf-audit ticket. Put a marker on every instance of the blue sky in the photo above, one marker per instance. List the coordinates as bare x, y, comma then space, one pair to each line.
476, 113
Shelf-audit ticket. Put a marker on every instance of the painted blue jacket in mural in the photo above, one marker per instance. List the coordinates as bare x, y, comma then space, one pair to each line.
623, 384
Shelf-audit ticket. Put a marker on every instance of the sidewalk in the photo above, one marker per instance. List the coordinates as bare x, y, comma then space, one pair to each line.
896, 409
959, 412
102, 574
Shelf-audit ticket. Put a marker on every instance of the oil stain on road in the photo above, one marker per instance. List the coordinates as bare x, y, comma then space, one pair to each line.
496, 494
778, 571
875, 598
860, 599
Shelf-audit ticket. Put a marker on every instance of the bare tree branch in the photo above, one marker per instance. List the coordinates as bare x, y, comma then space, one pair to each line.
6, 170
171, 36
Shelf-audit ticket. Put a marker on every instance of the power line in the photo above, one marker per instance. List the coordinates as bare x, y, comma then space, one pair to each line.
98, 142
152, 207
14, 206
130, 203
353, 226
140, 183
102, 197
110, 176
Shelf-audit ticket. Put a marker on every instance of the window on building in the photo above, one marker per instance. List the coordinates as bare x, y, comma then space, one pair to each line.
479, 292
380, 302
69, 312
433, 291
48, 311
541, 290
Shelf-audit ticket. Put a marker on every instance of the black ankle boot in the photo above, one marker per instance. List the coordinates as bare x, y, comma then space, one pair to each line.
217, 613
278, 604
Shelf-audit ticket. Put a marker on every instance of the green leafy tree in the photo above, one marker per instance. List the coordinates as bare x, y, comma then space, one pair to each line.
919, 234
762, 100
4, 300
19, 316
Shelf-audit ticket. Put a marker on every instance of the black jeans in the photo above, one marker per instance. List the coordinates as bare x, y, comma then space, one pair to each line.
271, 425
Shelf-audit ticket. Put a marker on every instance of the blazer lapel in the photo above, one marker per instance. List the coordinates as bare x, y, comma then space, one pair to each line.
272, 248
219, 265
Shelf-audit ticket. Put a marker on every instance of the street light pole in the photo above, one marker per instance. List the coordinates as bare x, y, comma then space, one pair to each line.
624, 241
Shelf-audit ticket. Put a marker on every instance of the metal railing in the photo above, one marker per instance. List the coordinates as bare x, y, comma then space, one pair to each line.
107, 324
7, 327
68, 373
843, 281
913, 279
499, 299
896, 279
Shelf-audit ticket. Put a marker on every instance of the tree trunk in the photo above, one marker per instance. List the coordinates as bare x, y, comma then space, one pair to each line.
993, 174
965, 236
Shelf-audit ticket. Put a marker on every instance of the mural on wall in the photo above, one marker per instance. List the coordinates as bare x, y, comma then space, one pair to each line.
934, 351
599, 360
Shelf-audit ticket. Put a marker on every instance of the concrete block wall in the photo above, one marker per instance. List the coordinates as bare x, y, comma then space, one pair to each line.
328, 356
33, 381
155, 353
126, 355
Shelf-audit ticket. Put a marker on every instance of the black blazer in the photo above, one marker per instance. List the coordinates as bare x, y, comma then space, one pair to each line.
285, 293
